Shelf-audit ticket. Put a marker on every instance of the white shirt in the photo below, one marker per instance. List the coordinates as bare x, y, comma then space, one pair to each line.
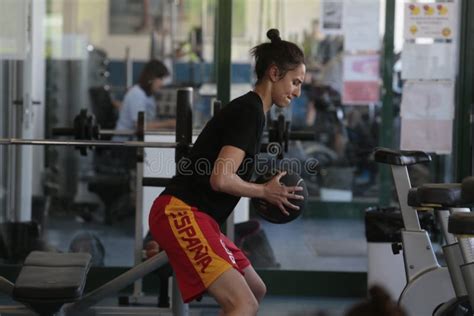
135, 101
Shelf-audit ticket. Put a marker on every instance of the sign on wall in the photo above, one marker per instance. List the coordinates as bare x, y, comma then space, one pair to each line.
331, 17
430, 20
13, 29
361, 83
361, 25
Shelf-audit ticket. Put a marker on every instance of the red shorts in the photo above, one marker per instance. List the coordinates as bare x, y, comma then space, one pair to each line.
197, 250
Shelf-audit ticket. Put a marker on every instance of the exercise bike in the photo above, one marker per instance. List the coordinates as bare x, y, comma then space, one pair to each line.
457, 198
429, 286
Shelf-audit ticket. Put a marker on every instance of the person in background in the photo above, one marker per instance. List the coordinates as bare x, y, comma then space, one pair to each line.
141, 97
379, 303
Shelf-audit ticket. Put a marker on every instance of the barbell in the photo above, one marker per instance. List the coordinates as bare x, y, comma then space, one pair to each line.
85, 127
86, 143
87, 132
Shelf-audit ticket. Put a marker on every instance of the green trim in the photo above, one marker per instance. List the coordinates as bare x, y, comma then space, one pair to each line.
462, 129
223, 49
278, 282
337, 210
315, 283
386, 128
315, 209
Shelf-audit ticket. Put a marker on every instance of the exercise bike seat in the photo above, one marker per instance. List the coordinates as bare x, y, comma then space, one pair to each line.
440, 195
468, 190
461, 223
400, 157
48, 280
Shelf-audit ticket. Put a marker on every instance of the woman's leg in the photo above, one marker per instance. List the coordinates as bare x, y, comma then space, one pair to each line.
233, 294
253, 280
255, 283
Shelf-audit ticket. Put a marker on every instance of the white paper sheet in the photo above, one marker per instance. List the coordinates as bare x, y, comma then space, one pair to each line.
361, 79
361, 25
429, 61
428, 100
331, 16
427, 135
13, 29
364, 67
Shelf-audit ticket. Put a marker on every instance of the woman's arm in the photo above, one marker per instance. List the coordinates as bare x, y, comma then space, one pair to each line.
224, 178
168, 123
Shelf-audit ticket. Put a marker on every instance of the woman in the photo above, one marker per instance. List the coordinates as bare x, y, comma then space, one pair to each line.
185, 218
140, 98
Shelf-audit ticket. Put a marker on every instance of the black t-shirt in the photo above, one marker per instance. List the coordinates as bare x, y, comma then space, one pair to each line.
239, 124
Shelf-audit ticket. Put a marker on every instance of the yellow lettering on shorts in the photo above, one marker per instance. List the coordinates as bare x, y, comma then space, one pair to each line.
206, 262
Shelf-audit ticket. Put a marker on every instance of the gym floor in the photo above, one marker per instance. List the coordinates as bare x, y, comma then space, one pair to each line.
306, 244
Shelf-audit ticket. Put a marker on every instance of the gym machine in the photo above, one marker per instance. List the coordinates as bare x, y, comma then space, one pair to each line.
431, 289
53, 283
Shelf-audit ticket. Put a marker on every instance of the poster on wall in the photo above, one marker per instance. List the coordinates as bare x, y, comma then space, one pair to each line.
361, 25
430, 20
331, 17
361, 83
13, 32
427, 113
428, 99
427, 135
429, 61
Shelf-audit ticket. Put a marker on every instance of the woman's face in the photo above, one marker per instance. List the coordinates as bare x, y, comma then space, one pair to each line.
288, 87
156, 84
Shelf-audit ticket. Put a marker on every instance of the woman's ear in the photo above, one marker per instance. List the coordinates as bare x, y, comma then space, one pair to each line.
274, 73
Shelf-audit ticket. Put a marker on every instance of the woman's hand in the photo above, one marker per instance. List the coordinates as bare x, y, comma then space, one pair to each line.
278, 194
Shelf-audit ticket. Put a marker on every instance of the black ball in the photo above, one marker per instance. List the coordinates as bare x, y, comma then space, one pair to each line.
271, 212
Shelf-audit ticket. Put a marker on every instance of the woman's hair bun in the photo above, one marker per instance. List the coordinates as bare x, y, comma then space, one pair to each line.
274, 35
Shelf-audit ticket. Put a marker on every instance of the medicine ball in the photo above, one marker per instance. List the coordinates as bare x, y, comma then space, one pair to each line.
271, 212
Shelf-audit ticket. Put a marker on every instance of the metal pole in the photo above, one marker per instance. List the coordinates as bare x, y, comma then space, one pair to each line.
70, 131
10, 152
86, 143
184, 122
386, 128
224, 50
118, 283
184, 134
128, 68
137, 287
177, 305
462, 144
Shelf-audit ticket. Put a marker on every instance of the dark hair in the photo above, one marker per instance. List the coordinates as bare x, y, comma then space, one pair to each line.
152, 70
283, 54
379, 303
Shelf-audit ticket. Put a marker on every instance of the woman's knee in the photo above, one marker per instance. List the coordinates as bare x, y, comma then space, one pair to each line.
248, 307
255, 283
253, 307
234, 294
243, 305
259, 290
